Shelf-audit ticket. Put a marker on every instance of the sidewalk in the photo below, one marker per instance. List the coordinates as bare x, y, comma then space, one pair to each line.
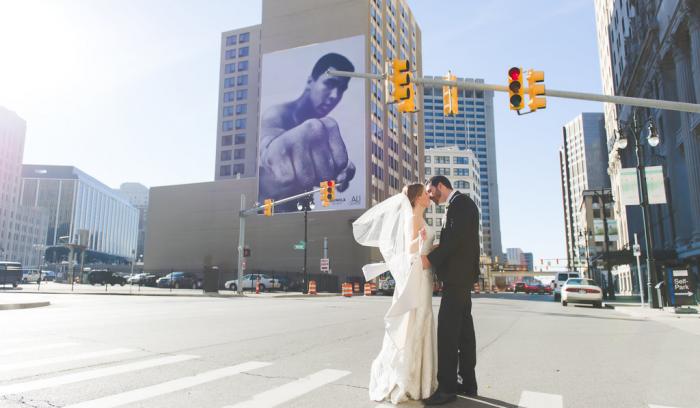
21, 301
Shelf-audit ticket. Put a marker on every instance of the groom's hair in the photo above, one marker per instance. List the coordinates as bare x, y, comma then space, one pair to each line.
435, 180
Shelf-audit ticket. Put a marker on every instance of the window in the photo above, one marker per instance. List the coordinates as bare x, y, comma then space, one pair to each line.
442, 159
230, 54
225, 155
242, 80
243, 66
228, 111
228, 83
240, 139
230, 68
442, 171
440, 209
438, 222
228, 96
240, 94
226, 140
231, 40
461, 160
239, 154
238, 168
461, 172
428, 171
227, 125
225, 170
241, 108
243, 52
429, 221
244, 37
240, 123
427, 159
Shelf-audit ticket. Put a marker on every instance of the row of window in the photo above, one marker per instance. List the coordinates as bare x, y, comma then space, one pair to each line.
242, 52
229, 125
239, 95
240, 38
240, 66
445, 171
240, 80
240, 109
238, 154
429, 91
446, 159
225, 170
228, 140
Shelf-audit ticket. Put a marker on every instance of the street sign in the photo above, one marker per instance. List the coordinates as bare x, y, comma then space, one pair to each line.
325, 264
681, 288
301, 245
636, 250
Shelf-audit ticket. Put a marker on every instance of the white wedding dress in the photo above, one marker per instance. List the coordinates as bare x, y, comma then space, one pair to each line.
410, 373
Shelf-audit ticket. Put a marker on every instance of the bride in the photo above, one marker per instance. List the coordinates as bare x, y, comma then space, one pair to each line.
406, 367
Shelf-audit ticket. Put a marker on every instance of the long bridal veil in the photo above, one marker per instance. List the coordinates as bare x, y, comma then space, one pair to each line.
389, 227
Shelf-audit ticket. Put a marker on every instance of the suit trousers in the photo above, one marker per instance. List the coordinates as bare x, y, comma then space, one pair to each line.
456, 341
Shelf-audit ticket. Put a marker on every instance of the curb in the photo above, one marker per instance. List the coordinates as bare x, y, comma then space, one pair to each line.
28, 305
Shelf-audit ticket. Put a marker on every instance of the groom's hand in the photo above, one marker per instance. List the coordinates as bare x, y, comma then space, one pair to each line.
426, 262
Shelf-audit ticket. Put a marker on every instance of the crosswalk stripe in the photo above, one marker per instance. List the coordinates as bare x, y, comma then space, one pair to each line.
659, 406
40, 347
294, 389
63, 359
168, 387
529, 399
91, 374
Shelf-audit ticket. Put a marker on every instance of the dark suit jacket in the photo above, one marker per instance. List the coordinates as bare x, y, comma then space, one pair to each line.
456, 259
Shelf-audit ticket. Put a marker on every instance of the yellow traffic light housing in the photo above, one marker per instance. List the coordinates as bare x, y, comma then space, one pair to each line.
450, 104
515, 88
269, 208
535, 89
327, 192
403, 92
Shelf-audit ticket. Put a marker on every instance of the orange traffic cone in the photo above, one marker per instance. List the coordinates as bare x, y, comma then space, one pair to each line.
257, 287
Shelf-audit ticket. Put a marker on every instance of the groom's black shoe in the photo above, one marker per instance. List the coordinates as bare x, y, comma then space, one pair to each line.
466, 391
440, 397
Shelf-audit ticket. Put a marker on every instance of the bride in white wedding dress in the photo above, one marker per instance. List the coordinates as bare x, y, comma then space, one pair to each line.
406, 367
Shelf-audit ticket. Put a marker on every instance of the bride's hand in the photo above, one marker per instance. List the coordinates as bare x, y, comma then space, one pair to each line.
423, 233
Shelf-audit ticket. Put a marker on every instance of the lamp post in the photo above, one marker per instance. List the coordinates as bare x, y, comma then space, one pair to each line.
653, 140
606, 255
306, 204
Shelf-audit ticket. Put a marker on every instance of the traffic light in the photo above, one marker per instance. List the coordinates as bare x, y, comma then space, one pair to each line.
327, 192
403, 92
450, 104
535, 89
269, 208
515, 88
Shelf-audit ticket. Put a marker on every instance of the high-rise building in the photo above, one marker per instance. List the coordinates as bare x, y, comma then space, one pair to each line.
239, 100
21, 229
472, 128
651, 49
515, 256
582, 159
75, 201
461, 167
529, 261
137, 194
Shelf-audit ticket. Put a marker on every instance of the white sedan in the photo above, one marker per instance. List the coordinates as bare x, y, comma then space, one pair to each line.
581, 291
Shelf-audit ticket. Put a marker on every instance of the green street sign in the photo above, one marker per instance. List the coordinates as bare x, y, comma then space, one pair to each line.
300, 245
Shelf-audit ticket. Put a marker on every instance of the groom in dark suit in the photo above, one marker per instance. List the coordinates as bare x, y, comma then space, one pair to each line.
456, 262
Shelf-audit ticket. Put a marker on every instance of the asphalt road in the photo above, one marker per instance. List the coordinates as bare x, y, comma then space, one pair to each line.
108, 351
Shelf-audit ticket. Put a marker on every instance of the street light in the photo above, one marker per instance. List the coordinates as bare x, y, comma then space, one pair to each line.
306, 204
653, 139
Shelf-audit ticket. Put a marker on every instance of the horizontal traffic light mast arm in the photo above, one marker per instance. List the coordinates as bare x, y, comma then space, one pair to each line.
619, 100
254, 210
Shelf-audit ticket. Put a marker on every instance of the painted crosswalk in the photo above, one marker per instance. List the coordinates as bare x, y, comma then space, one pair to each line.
62, 359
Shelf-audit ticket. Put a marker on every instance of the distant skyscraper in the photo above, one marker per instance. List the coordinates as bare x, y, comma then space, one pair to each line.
583, 160
137, 194
515, 256
472, 128
529, 261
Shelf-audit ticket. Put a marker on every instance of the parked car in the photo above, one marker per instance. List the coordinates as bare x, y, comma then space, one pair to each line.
30, 275
534, 287
520, 287
105, 277
560, 280
267, 282
48, 276
143, 279
510, 287
178, 280
581, 291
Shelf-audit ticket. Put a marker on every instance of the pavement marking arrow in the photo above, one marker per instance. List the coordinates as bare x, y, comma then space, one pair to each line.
63, 359
91, 374
167, 387
294, 389
529, 399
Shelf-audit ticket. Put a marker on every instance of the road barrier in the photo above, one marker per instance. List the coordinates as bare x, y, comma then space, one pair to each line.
368, 289
312, 287
347, 289
356, 287
373, 287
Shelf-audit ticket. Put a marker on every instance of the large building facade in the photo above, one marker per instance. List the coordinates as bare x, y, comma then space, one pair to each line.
651, 49
583, 164
75, 201
472, 128
390, 144
137, 195
22, 229
461, 167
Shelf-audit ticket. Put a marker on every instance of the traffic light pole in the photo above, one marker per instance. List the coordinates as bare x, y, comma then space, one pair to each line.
241, 228
620, 100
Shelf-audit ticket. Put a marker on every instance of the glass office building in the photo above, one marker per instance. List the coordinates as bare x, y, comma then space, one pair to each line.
75, 201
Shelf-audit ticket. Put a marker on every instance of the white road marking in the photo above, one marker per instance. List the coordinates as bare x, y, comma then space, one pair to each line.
529, 399
141, 394
62, 359
90, 374
659, 406
40, 347
294, 389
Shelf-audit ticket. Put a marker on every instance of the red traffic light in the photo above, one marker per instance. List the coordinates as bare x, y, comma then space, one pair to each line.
514, 73
331, 183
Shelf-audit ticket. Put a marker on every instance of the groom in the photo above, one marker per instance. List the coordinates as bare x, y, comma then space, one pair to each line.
456, 262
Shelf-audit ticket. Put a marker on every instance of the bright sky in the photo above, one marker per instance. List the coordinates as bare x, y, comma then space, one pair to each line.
127, 90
